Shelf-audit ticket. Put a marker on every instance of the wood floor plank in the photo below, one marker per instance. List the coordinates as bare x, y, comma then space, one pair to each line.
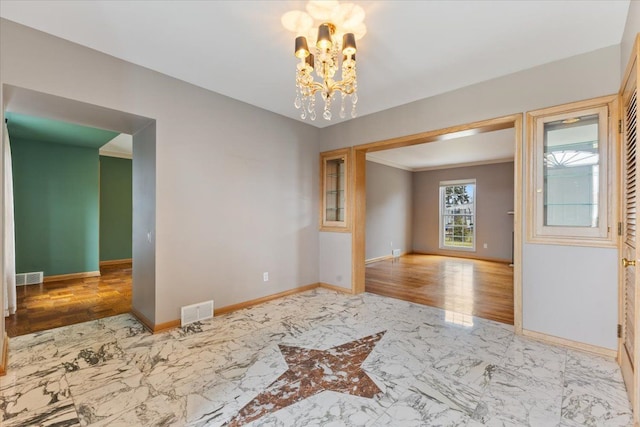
66, 302
462, 285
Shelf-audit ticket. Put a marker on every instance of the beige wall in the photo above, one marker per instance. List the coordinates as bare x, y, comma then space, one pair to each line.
236, 186
144, 222
335, 256
494, 198
389, 210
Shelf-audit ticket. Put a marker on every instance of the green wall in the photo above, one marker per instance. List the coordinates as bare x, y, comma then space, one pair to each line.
56, 207
115, 208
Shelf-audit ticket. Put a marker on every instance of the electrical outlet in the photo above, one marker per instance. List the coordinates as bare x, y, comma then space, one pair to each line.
486, 246
265, 276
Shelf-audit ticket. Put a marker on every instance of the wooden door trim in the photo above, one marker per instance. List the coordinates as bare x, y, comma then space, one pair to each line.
359, 194
577, 345
623, 357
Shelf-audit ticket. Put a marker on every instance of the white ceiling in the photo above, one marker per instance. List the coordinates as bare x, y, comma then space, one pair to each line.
412, 50
485, 148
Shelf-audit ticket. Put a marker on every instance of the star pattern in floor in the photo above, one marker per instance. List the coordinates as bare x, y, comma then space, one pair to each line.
311, 372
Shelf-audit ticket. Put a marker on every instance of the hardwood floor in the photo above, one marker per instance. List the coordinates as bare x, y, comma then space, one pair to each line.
54, 304
460, 285
464, 286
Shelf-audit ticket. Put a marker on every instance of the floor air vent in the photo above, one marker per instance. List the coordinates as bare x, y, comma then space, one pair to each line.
29, 278
195, 312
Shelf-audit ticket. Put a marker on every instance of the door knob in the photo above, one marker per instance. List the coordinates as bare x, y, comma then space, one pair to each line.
628, 262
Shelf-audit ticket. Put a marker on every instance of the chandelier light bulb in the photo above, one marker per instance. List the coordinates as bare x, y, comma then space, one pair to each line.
302, 49
324, 37
349, 44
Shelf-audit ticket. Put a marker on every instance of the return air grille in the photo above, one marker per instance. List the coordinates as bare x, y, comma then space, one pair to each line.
29, 278
196, 312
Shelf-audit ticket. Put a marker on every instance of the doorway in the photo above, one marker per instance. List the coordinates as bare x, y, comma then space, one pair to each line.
72, 208
359, 194
28, 102
439, 225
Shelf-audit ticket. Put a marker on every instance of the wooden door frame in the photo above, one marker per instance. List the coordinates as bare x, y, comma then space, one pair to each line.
634, 397
358, 195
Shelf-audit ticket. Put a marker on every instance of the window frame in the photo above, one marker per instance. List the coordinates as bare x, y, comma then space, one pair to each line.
441, 232
326, 157
537, 231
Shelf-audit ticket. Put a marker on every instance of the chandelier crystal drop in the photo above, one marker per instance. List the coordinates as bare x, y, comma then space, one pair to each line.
340, 26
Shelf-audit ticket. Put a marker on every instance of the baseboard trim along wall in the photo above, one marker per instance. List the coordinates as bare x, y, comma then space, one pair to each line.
336, 288
116, 262
161, 327
575, 345
471, 255
152, 327
251, 303
4, 361
382, 258
59, 277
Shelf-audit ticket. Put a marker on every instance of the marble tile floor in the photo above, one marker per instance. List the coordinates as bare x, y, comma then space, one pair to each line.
317, 358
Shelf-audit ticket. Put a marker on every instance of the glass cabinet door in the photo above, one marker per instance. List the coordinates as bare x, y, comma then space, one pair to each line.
572, 171
334, 179
334, 190
571, 166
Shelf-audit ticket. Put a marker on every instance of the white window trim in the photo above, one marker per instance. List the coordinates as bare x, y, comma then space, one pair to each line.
443, 184
537, 232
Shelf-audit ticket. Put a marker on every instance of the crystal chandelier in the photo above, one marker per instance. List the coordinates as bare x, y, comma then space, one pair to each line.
340, 26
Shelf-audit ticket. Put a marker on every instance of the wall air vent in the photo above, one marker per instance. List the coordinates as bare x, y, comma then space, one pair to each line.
29, 278
196, 312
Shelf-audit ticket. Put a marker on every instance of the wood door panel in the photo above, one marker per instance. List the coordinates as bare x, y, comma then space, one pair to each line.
630, 145
629, 246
